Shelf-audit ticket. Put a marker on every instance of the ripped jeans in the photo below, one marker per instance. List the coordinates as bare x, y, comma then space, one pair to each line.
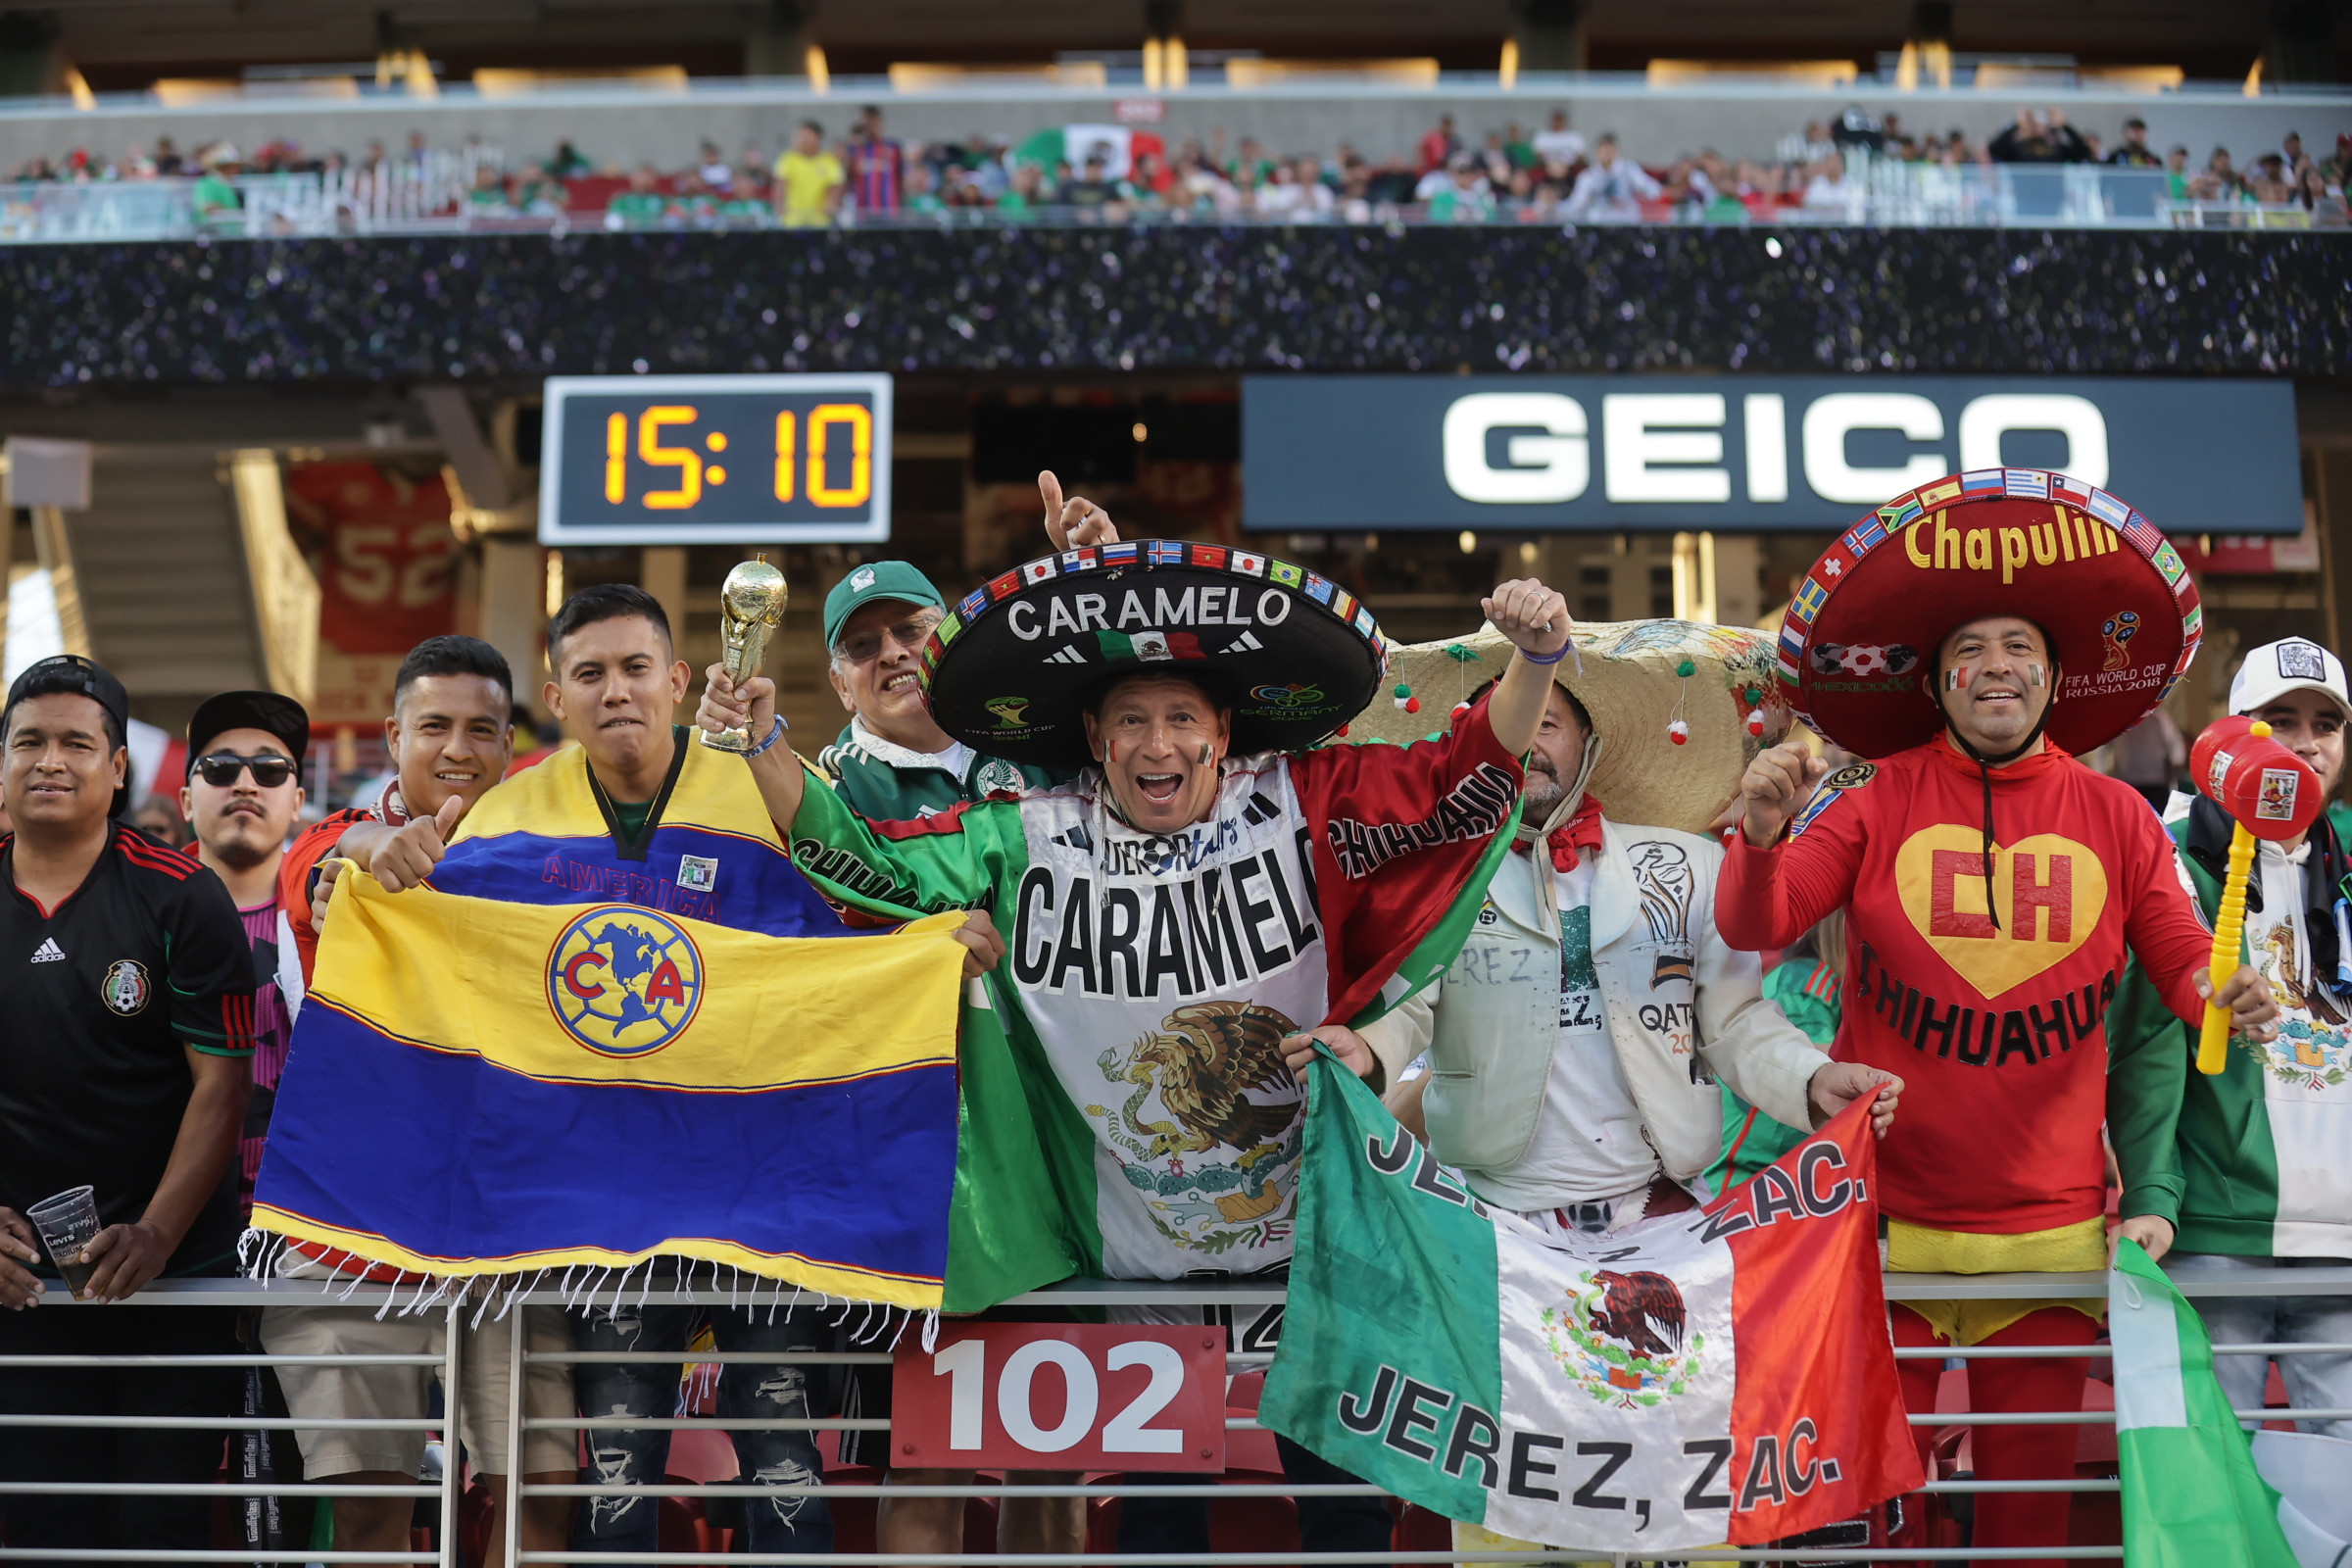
747, 1391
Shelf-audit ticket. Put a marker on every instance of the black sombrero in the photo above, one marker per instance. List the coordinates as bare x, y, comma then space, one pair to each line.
1857, 648
1009, 665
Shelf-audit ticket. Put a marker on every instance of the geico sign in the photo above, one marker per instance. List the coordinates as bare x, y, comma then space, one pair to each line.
1669, 446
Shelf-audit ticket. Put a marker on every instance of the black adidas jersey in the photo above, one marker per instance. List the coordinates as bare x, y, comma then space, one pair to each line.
100, 995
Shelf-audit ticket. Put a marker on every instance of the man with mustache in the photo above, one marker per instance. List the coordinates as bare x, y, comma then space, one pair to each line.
243, 797
1208, 885
1994, 887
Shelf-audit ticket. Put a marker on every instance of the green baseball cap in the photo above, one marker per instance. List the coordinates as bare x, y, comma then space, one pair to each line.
879, 579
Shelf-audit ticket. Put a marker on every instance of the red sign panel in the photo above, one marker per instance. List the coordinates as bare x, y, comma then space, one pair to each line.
1062, 1397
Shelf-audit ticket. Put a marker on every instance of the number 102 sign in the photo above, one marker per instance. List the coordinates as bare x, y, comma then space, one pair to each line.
679, 459
1056, 1397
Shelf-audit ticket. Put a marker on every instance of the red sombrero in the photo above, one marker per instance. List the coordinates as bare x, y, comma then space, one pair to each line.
1858, 646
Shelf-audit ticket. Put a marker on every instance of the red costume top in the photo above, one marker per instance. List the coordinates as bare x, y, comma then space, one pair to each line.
1993, 1012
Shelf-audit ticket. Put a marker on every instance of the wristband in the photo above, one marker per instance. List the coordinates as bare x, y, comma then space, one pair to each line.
1540, 658
773, 736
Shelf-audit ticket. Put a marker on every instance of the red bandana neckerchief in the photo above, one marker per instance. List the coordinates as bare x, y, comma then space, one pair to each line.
1580, 832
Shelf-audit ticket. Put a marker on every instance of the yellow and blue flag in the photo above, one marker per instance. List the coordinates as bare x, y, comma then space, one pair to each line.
571, 1049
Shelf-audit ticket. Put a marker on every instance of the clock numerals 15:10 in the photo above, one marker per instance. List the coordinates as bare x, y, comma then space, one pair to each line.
853, 421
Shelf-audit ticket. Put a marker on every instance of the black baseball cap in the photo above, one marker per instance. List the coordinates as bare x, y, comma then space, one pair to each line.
72, 676
274, 714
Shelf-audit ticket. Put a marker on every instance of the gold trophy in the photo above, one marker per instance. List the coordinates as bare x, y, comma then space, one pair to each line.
750, 605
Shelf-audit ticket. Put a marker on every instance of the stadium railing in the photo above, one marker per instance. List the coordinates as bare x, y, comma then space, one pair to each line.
165, 1294
409, 200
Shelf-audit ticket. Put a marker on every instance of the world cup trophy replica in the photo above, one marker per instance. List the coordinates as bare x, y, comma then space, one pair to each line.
750, 605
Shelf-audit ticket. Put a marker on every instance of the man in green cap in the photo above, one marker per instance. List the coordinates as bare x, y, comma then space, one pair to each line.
892, 762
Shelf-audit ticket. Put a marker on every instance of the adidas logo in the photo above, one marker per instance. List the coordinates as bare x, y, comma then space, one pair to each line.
1242, 644
48, 952
1067, 654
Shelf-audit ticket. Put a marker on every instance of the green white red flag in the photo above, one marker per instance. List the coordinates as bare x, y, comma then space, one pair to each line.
1696, 1378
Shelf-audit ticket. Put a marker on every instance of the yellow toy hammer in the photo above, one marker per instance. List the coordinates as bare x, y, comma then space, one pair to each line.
2270, 793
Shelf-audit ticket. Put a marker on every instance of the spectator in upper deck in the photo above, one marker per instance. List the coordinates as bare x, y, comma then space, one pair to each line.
2134, 153
2040, 137
1559, 147
875, 165
1611, 189
808, 180
1438, 146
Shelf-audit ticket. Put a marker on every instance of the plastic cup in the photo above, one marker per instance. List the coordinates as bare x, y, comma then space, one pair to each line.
68, 1223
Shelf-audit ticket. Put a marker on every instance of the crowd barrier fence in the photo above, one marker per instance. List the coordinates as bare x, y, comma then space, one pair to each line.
1236, 1296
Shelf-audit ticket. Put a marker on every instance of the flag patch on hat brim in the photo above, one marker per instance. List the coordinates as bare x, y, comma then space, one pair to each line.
2107, 509
1038, 571
2029, 484
1249, 563
972, 605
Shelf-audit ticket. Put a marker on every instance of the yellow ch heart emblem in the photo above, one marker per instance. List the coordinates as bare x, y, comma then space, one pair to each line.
2050, 892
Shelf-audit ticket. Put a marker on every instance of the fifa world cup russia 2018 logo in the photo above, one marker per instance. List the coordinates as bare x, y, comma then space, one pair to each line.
2119, 630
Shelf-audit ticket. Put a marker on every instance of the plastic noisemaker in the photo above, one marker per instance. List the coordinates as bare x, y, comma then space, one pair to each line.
2270, 793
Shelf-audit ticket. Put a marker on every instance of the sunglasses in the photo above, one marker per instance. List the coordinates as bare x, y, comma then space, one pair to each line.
910, 634
221, 769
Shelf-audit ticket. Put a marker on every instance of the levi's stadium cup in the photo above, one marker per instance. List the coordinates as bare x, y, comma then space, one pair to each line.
750, 602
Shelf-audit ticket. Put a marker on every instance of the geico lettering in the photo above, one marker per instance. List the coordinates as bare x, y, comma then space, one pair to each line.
1206, 933
1664, 1015
1473, 809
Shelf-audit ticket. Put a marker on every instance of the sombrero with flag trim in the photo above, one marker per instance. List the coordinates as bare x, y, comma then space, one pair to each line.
1858, 647
1636, 679
1008, 667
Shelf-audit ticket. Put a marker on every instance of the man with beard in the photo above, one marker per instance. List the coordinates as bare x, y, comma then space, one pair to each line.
1608, 1115
242, 797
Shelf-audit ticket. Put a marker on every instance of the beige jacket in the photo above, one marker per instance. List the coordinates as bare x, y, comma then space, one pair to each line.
1683, 1010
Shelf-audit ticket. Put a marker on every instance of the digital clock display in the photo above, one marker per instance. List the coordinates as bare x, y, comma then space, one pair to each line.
662, 460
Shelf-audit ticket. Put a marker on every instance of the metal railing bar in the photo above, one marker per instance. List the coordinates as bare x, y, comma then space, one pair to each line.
148, 1554
630, 1423
453, 1385
2058, 1351
1188, 1489
218, 1360
208, 1489
231, 1423
721, 1357
1177, 1293
1236, 1559
2090, 1419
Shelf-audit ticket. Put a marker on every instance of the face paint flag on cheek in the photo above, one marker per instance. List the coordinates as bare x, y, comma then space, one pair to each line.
2038, 546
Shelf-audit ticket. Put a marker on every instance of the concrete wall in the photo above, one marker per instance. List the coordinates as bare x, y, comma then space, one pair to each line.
619, 126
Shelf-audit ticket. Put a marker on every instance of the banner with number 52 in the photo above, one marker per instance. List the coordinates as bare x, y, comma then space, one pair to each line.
1062, 1397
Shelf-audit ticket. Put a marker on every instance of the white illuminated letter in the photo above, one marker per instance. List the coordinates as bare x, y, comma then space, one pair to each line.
1766, 416
1637, 431
1550, 468
1984, 421
1829, 419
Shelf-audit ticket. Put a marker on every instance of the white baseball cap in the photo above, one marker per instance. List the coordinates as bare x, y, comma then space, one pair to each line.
2293, 664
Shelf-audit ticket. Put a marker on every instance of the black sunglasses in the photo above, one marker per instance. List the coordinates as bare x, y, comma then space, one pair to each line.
221, 769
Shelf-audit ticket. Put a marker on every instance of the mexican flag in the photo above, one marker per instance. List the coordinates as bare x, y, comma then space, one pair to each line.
2193, 1498
1706, 1377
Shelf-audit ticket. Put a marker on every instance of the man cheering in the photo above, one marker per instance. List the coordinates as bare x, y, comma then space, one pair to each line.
1207, 888
1994, 887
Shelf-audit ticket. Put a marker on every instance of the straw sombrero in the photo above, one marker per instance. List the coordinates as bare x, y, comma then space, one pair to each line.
1857, 648
1009, 666
1639, 678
